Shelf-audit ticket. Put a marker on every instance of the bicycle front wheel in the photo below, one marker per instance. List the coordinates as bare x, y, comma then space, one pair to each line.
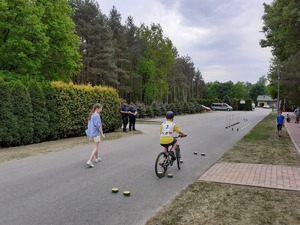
161, 164
178, 156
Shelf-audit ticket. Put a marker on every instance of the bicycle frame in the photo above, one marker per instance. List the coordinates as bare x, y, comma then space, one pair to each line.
164, 161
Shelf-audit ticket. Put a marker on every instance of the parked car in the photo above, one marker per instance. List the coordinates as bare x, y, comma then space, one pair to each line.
221, 106
266, 107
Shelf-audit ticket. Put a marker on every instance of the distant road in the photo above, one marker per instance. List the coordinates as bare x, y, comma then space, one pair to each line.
57, 188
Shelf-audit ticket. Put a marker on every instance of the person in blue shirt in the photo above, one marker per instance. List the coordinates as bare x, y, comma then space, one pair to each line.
280, 122
94, 132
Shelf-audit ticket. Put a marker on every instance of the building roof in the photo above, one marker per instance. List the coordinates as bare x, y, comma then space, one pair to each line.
265, 98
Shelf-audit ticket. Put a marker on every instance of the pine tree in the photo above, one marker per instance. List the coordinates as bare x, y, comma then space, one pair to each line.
95, 45
121, 51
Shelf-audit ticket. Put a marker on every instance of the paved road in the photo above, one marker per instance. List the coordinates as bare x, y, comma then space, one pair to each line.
57, 188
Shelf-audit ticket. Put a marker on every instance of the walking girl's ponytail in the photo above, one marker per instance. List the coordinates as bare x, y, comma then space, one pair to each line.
96, 106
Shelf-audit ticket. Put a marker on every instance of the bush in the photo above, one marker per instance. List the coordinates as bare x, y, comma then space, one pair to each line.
149, 112
52, 111
23, 112
141, 109
157, 109
40, 116
75, 103
8, 124
235, 104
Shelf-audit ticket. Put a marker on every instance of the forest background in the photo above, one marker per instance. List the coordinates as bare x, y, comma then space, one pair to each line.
74, 41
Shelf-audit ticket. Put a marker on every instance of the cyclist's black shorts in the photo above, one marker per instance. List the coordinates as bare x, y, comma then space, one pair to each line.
172, 143
279, 126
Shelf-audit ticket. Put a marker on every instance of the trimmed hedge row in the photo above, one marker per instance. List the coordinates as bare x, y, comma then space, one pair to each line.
32, 112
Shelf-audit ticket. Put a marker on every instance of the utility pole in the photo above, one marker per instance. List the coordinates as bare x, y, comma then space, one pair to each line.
278, 94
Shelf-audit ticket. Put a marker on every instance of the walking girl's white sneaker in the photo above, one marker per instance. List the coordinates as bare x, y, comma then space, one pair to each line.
97, 160
89, 164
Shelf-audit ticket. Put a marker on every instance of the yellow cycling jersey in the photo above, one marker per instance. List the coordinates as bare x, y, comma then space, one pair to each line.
167, 129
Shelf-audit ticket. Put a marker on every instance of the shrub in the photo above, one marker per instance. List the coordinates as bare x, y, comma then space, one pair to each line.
8, 123
141, 109
52, 111
75, 103
23, 111
40, 116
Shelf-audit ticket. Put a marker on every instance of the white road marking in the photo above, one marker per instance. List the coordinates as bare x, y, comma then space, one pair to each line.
245, 126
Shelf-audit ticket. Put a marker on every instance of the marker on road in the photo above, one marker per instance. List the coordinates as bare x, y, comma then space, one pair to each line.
115, 190
126, 193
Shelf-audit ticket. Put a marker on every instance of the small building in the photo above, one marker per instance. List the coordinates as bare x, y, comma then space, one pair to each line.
266, 101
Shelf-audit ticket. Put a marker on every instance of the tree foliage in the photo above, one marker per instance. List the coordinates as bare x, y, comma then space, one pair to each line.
158, 51
96, 46
37, 38
281, 27
63, 59
282, 31
257, 89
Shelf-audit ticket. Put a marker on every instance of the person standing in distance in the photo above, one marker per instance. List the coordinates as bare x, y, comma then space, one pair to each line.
288, 118
94, 132
167, 129
297, 113
132, 116
280, 122
125, 111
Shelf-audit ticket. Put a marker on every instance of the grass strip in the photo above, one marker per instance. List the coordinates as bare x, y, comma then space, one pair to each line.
211, 203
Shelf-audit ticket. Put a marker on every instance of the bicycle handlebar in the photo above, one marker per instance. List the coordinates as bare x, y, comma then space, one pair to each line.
180, 136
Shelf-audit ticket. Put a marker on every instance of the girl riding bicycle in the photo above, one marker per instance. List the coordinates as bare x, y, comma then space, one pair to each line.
167, 129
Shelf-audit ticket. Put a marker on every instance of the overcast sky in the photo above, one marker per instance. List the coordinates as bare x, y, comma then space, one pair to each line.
221, 36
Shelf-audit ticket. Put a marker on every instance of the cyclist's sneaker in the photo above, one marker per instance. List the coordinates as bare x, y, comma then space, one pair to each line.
97, 160
89, 164
172, 155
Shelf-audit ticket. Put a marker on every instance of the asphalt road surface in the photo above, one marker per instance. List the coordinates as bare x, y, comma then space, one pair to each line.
58, 189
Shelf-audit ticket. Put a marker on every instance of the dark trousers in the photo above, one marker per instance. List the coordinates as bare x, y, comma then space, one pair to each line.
125, 122
131, 122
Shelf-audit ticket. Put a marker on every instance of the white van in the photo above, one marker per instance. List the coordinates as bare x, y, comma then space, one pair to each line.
221, 106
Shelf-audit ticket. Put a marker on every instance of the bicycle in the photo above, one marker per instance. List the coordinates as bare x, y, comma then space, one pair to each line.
164, 160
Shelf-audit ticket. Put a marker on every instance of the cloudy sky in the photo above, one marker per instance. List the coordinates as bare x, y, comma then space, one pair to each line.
221, 36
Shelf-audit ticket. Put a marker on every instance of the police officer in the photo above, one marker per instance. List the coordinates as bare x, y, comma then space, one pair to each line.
125, 111
132, 116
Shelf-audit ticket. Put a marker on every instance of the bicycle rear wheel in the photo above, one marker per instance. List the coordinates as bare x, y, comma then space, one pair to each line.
178, 156
161, 164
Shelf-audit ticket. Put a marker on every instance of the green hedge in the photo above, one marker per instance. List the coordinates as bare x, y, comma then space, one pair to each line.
32, 112
23, 112
8, 122
74, 102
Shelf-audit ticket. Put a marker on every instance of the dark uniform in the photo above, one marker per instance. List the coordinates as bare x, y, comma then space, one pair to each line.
124, 112
132, 117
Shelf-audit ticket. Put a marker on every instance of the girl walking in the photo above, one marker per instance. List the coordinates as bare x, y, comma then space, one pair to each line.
94, 132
